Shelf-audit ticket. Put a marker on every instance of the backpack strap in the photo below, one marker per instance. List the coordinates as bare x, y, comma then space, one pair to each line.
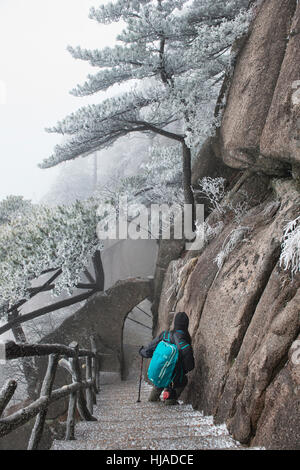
171, 337
166, 336
175, 340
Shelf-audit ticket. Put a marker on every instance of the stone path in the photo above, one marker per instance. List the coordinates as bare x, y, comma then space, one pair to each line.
125, 424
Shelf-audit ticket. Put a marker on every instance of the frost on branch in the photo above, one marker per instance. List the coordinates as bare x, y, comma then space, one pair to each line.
99, 126
13, 207
290, 247
213, 189
158, 180
178, 51
46, 238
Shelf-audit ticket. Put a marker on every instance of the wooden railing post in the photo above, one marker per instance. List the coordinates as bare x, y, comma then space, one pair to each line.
46, 390
89, 390
6, 394
96, 364
81, 402
70, 429
76, 390
22, 416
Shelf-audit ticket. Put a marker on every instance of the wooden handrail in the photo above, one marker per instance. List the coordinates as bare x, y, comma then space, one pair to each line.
75, 390
20, 417
16, 350
45, 392
6, 394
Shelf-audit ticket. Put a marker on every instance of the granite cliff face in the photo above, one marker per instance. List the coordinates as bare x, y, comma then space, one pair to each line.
260, 128
245, 310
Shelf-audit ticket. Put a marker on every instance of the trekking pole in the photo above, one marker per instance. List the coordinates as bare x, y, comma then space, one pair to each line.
140, 384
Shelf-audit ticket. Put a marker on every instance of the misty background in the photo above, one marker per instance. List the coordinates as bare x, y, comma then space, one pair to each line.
37, 73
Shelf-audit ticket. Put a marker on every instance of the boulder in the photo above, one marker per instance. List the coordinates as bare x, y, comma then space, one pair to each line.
253, 83
228, 307
280, 138
209, 162
279, 424
262, 354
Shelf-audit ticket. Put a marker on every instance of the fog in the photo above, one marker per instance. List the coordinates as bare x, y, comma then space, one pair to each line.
36, 74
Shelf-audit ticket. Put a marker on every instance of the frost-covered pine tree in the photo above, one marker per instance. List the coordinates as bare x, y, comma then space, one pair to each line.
13, 207
157, 181
173, 55
45, 238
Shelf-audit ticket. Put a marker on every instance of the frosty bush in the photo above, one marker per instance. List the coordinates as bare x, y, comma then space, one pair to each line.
213, 189
212, 231
290, 247
239, 208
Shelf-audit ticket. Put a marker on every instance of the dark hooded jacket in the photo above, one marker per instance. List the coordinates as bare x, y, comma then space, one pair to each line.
186, 361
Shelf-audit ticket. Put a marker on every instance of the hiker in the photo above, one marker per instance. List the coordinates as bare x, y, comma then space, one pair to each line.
185, 362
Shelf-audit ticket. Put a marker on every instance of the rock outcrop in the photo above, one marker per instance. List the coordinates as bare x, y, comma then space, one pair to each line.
244, 307
255, 125
244, 319
280, 138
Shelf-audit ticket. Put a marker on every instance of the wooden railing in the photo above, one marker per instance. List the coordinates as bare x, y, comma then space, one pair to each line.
82, 393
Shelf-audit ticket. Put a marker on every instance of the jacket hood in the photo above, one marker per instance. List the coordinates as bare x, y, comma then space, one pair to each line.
181, 321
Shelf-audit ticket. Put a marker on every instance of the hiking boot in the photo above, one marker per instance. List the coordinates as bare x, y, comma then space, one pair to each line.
171, 401
155, 394
171, 397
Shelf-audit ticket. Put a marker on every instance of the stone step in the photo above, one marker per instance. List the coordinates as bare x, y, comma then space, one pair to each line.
161, 443
124, 424
137, 429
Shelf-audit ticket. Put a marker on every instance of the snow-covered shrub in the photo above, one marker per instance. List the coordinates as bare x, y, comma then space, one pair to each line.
213, 189
239, 208
290, 247
210, 231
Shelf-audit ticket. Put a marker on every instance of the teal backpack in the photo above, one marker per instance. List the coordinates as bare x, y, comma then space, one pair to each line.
162, 366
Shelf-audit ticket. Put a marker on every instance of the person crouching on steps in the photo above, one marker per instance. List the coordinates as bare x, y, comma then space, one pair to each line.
184, 364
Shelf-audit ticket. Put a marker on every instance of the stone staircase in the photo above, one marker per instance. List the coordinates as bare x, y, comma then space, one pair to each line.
124, 424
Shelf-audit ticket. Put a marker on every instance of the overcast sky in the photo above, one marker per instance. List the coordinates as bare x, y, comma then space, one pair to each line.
36, 74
